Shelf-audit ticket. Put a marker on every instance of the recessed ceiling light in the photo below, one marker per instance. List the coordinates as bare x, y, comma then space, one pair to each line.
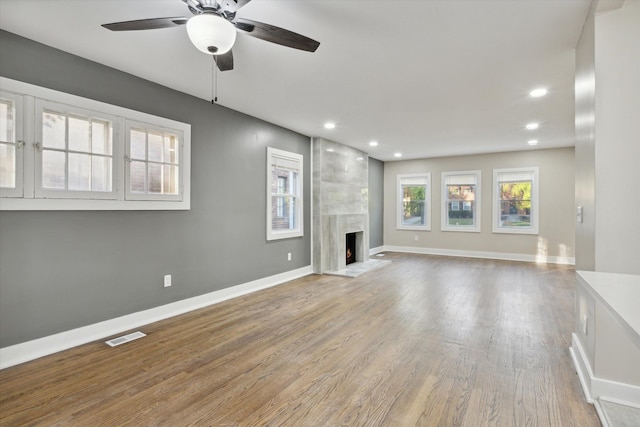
533, 142
373, 143
330, 150
329, 125
359, 158
533, 126
537, 93
397, 155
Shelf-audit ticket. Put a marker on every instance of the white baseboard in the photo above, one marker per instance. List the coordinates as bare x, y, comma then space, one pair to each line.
583, 368
599, 388
481, 254
30, 350
373, 251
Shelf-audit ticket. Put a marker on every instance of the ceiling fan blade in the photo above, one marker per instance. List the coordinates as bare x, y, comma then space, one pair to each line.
276, 35
146, 24
232, 5
224, 61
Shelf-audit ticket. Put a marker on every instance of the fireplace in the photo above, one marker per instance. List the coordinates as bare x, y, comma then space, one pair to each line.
340, 206
350, 248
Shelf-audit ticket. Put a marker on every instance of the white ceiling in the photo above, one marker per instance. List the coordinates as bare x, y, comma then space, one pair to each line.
426, 78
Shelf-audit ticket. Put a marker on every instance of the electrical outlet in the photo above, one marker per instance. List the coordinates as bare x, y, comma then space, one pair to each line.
289, 256
167, 280
415, 237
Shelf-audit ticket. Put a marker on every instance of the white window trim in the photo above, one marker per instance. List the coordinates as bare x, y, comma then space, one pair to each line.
427, 201
18, 190
299, 230
476, 228
150, 196
44, 193
535, 202
29, 201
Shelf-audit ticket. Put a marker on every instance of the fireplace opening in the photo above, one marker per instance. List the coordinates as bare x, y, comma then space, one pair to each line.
351, 248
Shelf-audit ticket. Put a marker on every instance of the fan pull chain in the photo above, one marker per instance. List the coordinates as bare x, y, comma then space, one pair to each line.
214, 80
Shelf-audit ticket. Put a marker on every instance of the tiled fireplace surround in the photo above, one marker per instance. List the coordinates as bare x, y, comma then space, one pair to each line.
340, 204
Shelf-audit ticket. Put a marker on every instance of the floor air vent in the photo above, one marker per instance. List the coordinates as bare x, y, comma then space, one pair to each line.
125, 338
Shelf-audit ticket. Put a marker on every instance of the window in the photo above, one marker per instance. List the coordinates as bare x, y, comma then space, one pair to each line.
74, 155
63, 152
284, 194
515, 200
461, 201
414, 202
154, 156
11, 145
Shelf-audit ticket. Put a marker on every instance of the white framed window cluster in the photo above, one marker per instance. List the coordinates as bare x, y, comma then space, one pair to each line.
414, 202
284, 194
516, 200
461, 201
64, 152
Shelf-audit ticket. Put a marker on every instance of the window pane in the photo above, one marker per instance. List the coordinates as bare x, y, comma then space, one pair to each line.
138, 177
7, 125
170, 185
53, 131
101, 137
53, 169
79, 172
7, 166
78, 135
459, 215
281, 181
515, 204
138, 149
155, 177
100, 173
413, 204
461, 204
283, 215
170, 148
155, 147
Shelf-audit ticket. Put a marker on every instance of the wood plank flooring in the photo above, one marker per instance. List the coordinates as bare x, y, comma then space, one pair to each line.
425, 341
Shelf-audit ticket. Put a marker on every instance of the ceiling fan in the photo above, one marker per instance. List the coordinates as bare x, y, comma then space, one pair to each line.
212, 29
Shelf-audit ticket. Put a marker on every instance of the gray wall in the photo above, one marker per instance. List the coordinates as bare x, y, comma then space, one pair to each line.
376, 202
585, 144
557, 219
617, 139
63, 270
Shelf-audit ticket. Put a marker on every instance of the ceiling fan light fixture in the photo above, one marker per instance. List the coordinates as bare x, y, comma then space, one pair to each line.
211, 34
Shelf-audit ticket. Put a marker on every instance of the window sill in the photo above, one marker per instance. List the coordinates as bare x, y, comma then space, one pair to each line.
18, 204
414, 227
515, 231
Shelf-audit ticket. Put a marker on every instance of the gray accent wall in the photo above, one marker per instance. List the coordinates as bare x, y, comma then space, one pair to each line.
376, 202
61, 270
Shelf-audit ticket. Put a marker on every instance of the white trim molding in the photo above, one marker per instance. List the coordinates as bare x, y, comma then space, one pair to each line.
541, 259
30, 350
373, 251
598, 388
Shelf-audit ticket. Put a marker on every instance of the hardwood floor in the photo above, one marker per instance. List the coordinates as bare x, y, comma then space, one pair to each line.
427, 340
